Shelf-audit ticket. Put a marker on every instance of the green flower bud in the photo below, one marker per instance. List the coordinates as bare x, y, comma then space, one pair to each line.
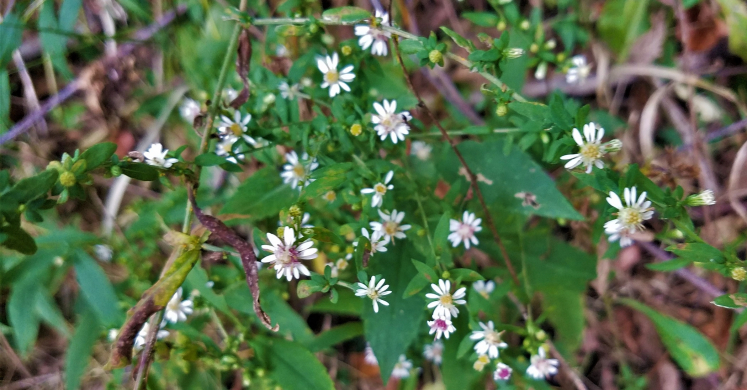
534, 48
445, 275
346, 50
280, 232
560, 57
739, 273
295, 211
501, 25
612, 146
67, 179
314, 28
549, 45
435, 56
524, 25
55, 165
116, 171
501, 110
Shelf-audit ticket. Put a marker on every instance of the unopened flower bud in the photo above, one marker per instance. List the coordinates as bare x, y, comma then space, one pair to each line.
524, 25
704, 198
314, 28
533, 48
330, 196
356, 129
328, 39
116, 171
55, 165
346, 50
435, 56
560, 57
541, 71
501, 110
306, 82
67, 179
280, 232
612, 146
295, 211
445, 275
739, 274
501, 25
551, 44
269, 99
514, 52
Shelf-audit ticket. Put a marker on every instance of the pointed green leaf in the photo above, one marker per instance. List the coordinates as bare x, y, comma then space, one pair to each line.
294, 367
346, 15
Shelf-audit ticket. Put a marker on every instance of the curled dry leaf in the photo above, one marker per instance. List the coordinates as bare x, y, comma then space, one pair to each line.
246, 252
242, 68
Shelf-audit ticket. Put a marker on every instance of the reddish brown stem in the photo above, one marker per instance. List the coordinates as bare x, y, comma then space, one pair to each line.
470, 174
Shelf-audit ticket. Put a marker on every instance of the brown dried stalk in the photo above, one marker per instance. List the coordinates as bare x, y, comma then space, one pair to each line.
246, 252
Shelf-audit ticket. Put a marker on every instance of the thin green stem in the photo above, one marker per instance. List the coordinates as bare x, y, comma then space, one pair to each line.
462, 132
345, 284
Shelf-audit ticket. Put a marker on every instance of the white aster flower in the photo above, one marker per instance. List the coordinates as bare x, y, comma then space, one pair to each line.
143, 334
464, 230
112, 334
189, 109
490, 340
630, 216
332, 78
378, 241
484, 288
542, 367
402, 368
373, 37
342, 264
502, 372
235, 126
374, 291
156, 156
178, 310
389, 123
229, 94
579, 71
434, 352
287, 254
421, 150
590, 151
445, 303
225, 147
296, 171
390, 225
441, 326
369, 356
289, 92
379, 190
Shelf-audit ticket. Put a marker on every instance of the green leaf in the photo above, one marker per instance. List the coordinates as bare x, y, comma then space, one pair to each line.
417, 284
291, 323
294, 367
347, 304
565, 310
559, 266
261, 196
425, 271
698, 252
688, 347
81, 346
97, 289
558, 114
458, 373
402, 319
336, 335
11, 31
458, 39
621, 23
465, 275
441, 243
411, 46
346, 15
32, 187
139, 171
209, 159
735, 12
326, 235
326, 179
484, 19
731, 301
4, 100
533, 111
18, 240
98, 154
506, 176
23, 320
669, 265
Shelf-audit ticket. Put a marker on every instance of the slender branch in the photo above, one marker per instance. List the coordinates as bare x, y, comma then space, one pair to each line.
472, 176
79, 83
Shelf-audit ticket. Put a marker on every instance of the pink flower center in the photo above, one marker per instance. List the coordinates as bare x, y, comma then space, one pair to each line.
286, 256
504, 373
466, 230
440, 324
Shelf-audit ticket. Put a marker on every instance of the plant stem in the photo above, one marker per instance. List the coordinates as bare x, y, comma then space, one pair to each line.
186, 225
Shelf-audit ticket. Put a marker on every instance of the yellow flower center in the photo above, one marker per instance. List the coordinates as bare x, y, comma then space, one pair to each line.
236, 129
332, 76
330, 196
630, 216
356, 129
390, 228
446, 300
227, 147
387, 121
299, 170
591, 152
283, 257
373, 294
492, 337
380, 188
